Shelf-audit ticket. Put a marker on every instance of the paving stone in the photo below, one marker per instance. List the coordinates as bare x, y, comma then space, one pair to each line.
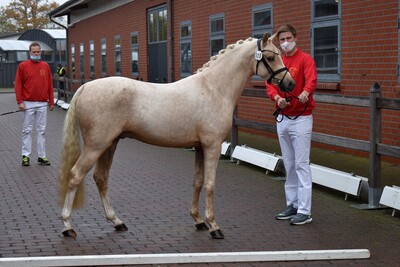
151, 188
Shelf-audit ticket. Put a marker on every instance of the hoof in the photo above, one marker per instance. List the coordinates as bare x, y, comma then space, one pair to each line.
121, 227
217, 234
69, 233
201, 226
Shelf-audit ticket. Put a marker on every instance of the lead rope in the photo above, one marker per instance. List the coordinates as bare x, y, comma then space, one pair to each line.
279, 110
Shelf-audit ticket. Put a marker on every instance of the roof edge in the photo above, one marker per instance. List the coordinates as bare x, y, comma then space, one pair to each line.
65, 8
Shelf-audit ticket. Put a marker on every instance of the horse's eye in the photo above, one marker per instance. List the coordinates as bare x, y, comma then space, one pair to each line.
270, 58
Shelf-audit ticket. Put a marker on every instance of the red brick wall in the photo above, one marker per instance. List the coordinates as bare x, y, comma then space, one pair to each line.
121, 21
369, 39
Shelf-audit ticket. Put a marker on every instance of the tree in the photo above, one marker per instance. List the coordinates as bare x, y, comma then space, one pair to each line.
23, 15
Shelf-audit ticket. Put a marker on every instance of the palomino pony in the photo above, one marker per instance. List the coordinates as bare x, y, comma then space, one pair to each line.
195, 111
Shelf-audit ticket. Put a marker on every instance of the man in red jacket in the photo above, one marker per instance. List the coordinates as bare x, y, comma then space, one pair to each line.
34, 92
294, 127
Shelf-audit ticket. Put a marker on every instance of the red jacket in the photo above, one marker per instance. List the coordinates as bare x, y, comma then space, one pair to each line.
33, 82
302, 68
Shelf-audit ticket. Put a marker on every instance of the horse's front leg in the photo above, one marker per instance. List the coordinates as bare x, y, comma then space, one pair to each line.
211, 158
100, 176
197, 186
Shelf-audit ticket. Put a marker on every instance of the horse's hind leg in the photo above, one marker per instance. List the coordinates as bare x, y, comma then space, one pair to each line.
197, 186
78, 172
100, 176
66, 213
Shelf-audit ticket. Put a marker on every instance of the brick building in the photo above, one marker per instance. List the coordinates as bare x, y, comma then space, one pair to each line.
354, 43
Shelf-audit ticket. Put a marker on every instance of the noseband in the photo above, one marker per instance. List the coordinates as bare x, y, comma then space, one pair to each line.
260, 58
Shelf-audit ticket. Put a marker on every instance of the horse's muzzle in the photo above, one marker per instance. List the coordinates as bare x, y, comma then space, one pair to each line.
287, 85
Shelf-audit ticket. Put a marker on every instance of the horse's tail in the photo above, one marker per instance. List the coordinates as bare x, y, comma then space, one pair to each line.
70, 154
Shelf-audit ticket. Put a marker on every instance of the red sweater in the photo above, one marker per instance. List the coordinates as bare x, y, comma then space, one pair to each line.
302, 68
33, 82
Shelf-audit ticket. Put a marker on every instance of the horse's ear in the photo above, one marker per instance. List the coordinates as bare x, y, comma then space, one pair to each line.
265, 38
273, 37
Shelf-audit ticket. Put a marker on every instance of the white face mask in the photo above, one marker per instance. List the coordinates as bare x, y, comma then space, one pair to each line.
288, 47
35, 58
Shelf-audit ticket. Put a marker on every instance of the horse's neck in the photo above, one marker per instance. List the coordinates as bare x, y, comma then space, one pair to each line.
229, 72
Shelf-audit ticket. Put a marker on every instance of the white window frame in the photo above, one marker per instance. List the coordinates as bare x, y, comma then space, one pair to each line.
82, 59
73, 59
117, 55
91, 58
135, 48
103, 57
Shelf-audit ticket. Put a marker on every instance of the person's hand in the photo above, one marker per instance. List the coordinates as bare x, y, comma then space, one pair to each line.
281, 102
21, 106
51, 107
303, 97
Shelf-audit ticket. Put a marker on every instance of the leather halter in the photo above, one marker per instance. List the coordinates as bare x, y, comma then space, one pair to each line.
267, 66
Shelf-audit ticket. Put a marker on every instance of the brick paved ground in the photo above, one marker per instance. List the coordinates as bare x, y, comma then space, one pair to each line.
150, 188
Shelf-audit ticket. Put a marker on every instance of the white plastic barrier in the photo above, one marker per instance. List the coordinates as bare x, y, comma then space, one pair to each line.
335, 179
342, 181
391, 197
65, 106
225, 148
257, 157
59, 102
182, 258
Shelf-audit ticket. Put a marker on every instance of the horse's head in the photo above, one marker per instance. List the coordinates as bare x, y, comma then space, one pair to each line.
273, 68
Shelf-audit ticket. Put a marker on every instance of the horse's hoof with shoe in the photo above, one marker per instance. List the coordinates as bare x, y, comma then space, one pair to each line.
69, 233
217, 234
201, 226
121, 227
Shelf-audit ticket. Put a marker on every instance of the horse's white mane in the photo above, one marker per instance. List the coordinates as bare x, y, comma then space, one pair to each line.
221, 53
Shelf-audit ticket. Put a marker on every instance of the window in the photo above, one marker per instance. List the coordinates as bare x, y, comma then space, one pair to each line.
326, 44
325, 8
91, 49
158, 25
22, 56
134, 54
262, 20
63, 45
47, 56
185, 47
81, 60
73, 59
217, 33
117, 42
103, 57
61, 51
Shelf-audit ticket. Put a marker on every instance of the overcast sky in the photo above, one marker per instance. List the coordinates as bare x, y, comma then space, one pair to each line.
6, 2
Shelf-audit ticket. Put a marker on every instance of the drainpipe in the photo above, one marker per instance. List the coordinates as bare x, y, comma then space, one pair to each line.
66, 40
171, 41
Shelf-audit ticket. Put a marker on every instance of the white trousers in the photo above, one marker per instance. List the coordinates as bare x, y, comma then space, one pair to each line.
295, 142
36, 113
